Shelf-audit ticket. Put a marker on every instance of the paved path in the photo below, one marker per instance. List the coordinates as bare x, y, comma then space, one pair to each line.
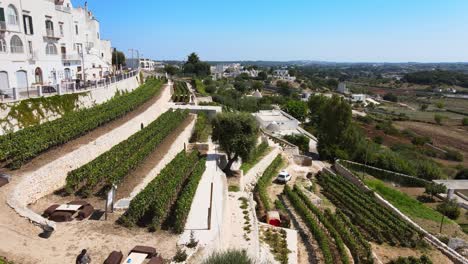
197, 220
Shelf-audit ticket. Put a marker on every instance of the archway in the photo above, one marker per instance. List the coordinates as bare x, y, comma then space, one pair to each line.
38, 76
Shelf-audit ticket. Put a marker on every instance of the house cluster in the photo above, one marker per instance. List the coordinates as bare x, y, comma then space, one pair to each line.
49, 43
231, 70
143, 64
283, 75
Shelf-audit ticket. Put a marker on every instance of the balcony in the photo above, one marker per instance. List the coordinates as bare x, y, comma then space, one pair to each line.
63, 8
51, 35
73, 59
32, 56
2, 26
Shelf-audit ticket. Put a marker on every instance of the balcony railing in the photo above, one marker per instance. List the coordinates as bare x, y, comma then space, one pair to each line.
2, 25
63, 8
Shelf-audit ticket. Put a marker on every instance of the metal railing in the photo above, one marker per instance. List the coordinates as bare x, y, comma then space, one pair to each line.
67, 86
62, 8
50, 33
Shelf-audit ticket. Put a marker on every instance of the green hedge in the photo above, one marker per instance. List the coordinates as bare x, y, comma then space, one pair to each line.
112, 166
184, 202
18, 148
265, 181
152, 205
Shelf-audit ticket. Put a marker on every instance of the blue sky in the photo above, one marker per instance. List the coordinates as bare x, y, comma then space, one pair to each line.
326, 30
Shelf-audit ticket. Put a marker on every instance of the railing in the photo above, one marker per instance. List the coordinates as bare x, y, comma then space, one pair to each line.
73, 57
50, 33
62, 8
2, 25
66, 86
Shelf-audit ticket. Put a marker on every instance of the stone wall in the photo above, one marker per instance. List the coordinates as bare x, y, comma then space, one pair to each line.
40, 110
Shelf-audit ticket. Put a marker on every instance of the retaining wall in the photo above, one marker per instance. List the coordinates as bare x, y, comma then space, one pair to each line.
87, 98
450, 253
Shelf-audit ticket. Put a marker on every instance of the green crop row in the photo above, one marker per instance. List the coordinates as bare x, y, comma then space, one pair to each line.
257, 154
265, 181
378, 222
18, 148
312, 224
152, 205
326, 224
113, 165
184, 202
181, 92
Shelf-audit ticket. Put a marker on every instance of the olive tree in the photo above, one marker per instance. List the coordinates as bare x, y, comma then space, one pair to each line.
236, 134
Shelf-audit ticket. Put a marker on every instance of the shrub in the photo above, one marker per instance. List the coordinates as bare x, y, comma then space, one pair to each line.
180, 255
419, 141
453, 155
229, 257
390, 97
265, 180
379, 140
299, 140
450, 209
438, 119
462, 174
259, 152
411, 260
465, 121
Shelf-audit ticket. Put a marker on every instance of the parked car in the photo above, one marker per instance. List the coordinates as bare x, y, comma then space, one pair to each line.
283, 176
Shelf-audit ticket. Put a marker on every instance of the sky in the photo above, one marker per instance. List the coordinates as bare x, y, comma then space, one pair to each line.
282, 30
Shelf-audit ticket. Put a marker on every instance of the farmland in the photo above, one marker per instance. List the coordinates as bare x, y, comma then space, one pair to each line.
181, 92
18, 148
102, 172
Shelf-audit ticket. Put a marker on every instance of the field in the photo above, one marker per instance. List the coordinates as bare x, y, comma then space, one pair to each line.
181, 92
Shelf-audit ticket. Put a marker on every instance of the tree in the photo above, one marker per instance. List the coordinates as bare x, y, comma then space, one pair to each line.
257, 85
390, 97
299, 140
434, 189
240, 85
424, 107
440, 104
195, 66
297, 109
450, 209
334, 127
262, 75
236, 134
171, 69
284, 88
118, 57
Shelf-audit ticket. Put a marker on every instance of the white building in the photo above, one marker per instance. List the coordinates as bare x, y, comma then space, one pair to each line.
283, 75
342, 88
358, 98
144, 64
277, 122
49, 43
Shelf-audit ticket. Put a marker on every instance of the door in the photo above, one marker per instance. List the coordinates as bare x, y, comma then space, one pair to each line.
64, 52
67, 74
21, 79
4, 83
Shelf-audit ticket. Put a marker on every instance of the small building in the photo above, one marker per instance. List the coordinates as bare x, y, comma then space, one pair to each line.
257, 94
342, 88
277, 122
358, 98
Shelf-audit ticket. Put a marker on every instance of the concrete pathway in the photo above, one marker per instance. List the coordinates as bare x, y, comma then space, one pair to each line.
197, 221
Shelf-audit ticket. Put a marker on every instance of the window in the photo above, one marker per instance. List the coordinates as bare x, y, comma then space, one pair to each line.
16, 45
28, 25
3, 46
51, 49
12, 15
61, 29
2, 15
49, 28
76, 29
30, 47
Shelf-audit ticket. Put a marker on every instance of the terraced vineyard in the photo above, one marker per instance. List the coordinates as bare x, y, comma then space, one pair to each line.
112, 166
260, 191
181, 92
375, 221
169, 196
18, 148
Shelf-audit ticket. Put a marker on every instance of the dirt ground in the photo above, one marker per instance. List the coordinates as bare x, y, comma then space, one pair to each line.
455, 137
387, 253
20, 238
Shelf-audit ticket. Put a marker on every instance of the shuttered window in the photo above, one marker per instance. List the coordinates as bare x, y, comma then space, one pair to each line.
28, 25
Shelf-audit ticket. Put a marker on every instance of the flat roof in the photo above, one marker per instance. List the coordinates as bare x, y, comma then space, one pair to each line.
454, 184
272, 116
